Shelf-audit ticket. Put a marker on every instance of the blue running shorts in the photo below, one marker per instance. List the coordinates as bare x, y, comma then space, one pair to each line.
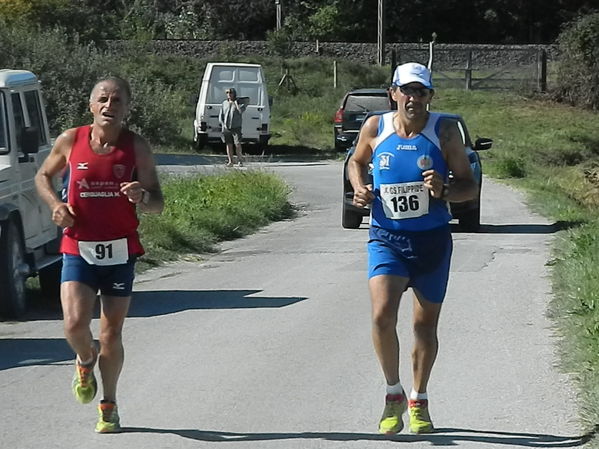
111, 280
423, 257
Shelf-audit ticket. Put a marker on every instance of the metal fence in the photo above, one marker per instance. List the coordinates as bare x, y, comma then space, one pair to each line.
480, 68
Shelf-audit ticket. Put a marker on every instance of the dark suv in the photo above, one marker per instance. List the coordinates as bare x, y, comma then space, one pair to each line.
467, 212
354, 107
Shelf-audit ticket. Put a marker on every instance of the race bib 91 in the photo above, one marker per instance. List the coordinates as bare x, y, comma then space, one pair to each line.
109, 252
404, 200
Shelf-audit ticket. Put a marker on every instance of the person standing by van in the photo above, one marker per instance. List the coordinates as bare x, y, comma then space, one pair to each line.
230, 120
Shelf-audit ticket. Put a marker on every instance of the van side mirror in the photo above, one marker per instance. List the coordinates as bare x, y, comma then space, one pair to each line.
482, 143
30, 141
270, 100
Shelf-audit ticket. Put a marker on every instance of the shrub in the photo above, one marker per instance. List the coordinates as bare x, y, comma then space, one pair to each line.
578, 66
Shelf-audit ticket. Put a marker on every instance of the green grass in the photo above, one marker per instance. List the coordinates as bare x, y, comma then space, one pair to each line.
201, 211
551, 151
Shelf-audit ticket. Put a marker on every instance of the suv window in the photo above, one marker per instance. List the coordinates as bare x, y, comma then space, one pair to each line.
34, 109
17, 111
367, 103
3, 136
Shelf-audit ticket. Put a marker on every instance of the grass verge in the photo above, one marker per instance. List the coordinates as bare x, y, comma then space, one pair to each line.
202, 210
551, 151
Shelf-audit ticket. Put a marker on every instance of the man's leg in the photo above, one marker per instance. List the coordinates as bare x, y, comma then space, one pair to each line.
229, 153
425, 322
385, 293
239, 153
114, 311
78, 302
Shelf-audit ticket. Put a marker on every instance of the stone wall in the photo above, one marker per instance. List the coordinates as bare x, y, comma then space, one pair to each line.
447, 56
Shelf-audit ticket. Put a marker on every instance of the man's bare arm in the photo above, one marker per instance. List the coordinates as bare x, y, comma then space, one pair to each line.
62, 213
464, 186
152, 201
357, 166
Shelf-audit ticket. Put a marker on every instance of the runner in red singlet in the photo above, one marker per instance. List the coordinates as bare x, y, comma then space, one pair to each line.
109, 174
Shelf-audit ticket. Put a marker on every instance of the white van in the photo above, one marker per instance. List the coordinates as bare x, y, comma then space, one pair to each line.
248, 80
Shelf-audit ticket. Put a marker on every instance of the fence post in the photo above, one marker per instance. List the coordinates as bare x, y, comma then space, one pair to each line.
542, 70
469, 71
393, 63
335, 74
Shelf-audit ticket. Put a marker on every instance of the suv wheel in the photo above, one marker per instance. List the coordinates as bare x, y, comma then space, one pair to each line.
13, 301
470, 221
349, 219
49, 278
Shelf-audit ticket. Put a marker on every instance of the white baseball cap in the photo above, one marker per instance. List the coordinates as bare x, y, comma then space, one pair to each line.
412, 72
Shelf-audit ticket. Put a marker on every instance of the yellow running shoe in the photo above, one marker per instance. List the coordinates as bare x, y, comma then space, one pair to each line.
108, 419
84, 382
395, 406
420, 420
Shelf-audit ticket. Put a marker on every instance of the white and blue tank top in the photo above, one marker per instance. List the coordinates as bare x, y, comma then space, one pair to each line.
402, 202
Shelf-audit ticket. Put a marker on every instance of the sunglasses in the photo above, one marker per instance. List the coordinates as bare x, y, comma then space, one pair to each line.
415, 91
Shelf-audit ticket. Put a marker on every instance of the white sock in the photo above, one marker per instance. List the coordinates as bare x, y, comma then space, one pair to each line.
395, 389
415, 396
86, 363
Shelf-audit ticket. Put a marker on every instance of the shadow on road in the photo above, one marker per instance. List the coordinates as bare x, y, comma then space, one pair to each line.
19, 352
441, 437
156, 303
521, 228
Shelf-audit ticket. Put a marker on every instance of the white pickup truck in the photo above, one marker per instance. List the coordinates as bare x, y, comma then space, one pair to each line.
28, 237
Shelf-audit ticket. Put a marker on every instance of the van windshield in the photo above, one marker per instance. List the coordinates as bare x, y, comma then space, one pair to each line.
247, 81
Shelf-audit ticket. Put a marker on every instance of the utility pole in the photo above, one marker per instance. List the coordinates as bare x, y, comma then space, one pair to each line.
381, 33
278, 6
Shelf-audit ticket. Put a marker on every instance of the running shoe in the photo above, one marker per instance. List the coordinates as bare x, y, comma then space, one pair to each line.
420, 420
395, 406
84, 382
108, 418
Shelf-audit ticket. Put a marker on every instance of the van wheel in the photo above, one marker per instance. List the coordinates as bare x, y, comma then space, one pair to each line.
201, 141
13, 270
49, 278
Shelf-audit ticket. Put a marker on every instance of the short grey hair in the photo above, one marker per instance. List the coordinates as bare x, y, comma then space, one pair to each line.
121, 82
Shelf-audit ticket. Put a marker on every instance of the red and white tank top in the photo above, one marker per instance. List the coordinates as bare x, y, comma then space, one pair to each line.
106, 222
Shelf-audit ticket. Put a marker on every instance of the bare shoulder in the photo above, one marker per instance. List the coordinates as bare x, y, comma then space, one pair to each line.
67, 136
64, 142
371, 126
365, 143
143, 152
449, 132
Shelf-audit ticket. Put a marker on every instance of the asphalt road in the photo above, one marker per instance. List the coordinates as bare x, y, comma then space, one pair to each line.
267, 344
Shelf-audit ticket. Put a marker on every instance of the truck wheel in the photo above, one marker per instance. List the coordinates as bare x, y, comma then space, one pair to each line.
350, 220
13, 270
49, 278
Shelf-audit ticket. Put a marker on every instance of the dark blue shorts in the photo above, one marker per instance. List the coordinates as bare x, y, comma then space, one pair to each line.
110, 280
423, 257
